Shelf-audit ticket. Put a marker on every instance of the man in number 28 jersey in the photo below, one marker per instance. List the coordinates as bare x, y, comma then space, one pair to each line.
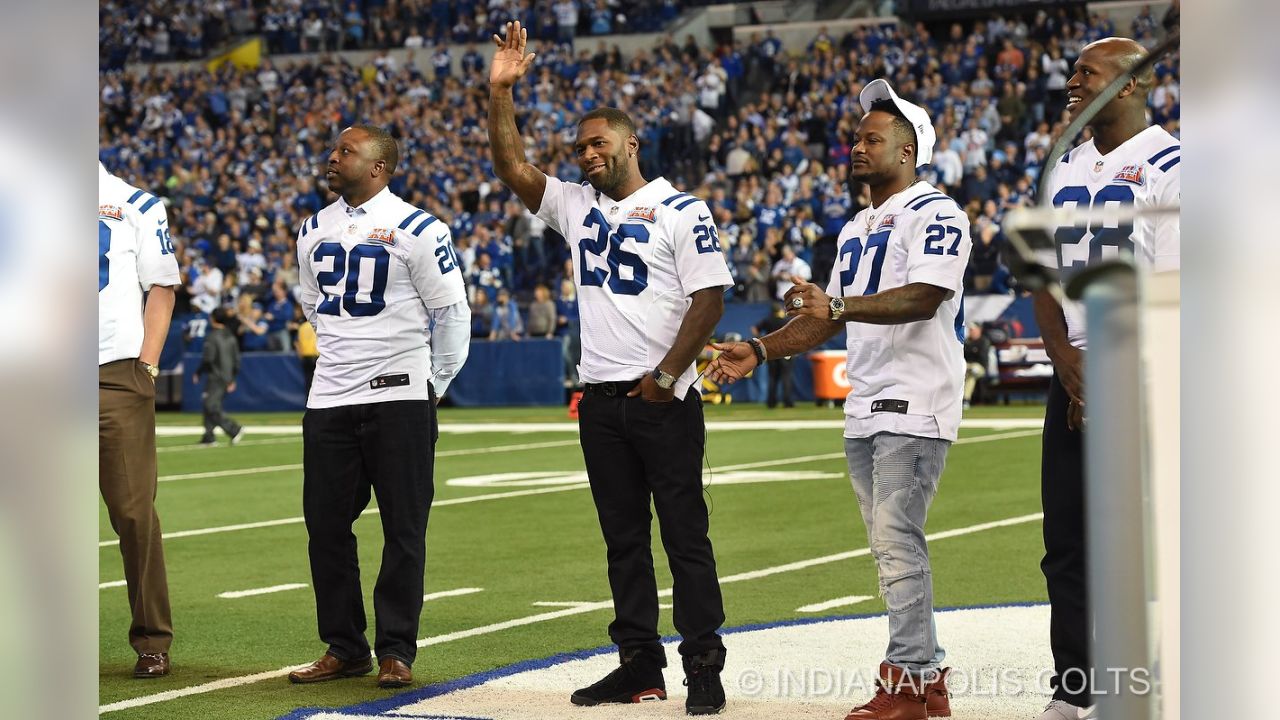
1126, 162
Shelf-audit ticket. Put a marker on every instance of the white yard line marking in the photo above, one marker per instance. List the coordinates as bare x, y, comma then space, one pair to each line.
559, 427
440, 454
231, 473
450, 593
369, 511
862, 552
562, 603
237, 594
577, 609
557, 489
840, 455
112, 584
242, 443
838, 602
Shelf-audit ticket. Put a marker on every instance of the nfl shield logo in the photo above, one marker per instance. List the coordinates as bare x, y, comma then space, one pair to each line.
1097, 167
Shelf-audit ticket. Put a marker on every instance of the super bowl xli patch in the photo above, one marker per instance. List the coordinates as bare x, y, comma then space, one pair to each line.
1134, 174
384, 236
642, 213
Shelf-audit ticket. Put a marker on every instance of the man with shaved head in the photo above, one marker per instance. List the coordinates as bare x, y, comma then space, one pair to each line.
1125, 162
381, 286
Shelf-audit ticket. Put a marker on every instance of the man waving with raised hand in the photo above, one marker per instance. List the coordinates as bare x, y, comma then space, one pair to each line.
650, 277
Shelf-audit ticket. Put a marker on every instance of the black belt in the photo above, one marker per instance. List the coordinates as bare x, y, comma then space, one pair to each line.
610, 389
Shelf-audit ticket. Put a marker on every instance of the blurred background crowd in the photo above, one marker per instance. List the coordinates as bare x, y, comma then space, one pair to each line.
760, 128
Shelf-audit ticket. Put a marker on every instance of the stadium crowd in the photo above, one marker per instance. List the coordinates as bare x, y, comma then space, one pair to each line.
162, 30
763, 131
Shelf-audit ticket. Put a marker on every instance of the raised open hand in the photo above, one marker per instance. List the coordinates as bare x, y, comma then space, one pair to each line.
509, 62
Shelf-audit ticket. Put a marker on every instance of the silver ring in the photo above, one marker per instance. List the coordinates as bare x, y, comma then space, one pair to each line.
797, 302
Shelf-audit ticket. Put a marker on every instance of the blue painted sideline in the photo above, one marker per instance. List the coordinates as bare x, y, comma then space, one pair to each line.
379, 707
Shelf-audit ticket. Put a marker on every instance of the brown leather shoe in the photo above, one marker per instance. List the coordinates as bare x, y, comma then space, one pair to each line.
331, 668
393, 673
937, 698
899, 696
151, 665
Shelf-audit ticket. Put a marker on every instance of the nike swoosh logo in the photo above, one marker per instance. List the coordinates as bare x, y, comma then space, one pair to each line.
704, 217
949, 217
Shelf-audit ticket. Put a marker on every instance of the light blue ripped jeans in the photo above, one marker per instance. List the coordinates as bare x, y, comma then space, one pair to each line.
895, 478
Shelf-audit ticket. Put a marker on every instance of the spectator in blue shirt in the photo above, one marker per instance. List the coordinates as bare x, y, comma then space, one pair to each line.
253, 330
507, 324
601, 19
279, 313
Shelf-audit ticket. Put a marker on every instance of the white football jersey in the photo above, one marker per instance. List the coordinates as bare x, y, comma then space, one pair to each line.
635, 263
135, 252
1143, 171
368, 276
906, 379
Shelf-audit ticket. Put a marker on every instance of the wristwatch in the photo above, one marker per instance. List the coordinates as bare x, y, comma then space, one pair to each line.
152, 370
665, 380
837, 307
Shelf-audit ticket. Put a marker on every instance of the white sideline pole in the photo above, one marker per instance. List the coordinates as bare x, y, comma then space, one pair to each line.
1115, 516
1161, 367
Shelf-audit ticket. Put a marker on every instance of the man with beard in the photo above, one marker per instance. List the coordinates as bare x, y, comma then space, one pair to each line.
896, 288
650, 278
381, 285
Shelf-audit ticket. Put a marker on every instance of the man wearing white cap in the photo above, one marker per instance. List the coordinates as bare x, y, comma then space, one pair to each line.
896, 289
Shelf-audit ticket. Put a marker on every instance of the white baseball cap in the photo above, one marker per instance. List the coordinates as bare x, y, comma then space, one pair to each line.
916, 115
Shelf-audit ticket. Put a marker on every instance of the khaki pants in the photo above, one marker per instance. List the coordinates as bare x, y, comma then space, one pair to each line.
127, 479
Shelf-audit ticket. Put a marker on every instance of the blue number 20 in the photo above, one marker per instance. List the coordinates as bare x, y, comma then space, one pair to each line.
348, 264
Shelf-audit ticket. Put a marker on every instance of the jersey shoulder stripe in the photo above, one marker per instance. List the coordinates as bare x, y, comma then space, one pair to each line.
922, 201
315, 221
305, 228
146, 199
423, 225
674, 198
1169, 165
686, 203
1066, 157
1156, 158
405, 225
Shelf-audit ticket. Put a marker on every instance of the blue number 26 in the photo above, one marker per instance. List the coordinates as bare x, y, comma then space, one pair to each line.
608, 245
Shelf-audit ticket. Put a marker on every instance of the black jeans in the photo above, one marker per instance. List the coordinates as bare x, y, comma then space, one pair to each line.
387, 448
1062, 495
636, 450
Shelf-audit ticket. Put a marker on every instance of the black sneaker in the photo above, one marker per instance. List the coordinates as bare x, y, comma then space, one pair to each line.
637, 679
702, 677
